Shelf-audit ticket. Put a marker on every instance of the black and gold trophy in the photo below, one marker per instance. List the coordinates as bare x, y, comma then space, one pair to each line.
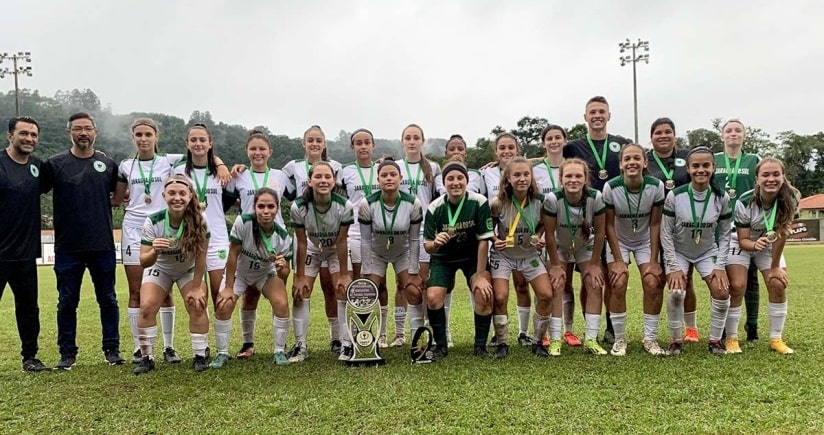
363, 318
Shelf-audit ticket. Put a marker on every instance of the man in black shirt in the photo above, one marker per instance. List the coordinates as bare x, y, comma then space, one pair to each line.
600, 150
20, 232
84, 181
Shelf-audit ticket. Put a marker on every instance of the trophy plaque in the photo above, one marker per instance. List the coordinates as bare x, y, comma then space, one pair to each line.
363, 320
421, 344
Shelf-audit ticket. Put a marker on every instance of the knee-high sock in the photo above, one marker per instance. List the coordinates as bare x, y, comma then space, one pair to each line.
415, 319
437, 319
540, 325
482, 323
777, 314
167, 324
501, 324
134, 313
689, 320
592, 321
147, 337
281, 328
247, 325
733, 317
751, 296
718, 317
651, 326
675, 314
199, 344
384, 318
523, 319
223, 331
345, 333
619, 325
300, 319
555, 325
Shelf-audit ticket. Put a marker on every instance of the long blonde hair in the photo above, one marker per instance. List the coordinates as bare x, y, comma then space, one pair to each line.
193, 241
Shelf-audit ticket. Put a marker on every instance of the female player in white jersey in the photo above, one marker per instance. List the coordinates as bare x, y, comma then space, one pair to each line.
693, 214
634, 204
574, 226
358, 180
321, 219
314, 144
422, 179
246, 185
173, 248
516, 212
259, 257
763, 217
143, 176
506, 148
390, 223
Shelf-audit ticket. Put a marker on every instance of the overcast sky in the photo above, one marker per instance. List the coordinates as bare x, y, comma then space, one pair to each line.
450, 66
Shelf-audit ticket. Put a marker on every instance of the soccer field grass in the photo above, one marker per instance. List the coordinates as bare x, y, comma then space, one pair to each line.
757, 391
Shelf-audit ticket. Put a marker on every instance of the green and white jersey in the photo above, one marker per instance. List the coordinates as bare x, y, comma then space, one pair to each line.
744, 181
504, 214
632, 219
213, 191
749, 215
570, 217
473, 223
244, 188
322, 228
474, 184
414, 184
154, 173
492, 181
546, 176
358, 182
679, 232
297, 171
389, 224
173, 262
252, 257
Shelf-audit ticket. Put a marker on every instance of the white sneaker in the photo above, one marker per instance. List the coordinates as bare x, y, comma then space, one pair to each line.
651, 347
299, 354
382, 341
449, 342
399, 341
346, 353
619, 348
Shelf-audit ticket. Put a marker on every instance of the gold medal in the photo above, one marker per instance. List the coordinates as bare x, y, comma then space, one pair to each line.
669, 184
510, 242
732, 193
173, 243
698, 239
203, 205
634, 228
533, 240
602, 174
451, 231
272, 257
147, 198
772, 236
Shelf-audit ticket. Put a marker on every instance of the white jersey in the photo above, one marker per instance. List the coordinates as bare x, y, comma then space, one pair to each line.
492, 181
414, 184
244, 188
252, 257
389, 227
749, 215
632, 219
214, 202
679, 233
547, 177
158, 169
358, 183
322, 228
173, 262
504, 214
297, 171
570, 217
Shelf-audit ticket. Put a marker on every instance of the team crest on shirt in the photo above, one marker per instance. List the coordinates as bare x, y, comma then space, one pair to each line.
534, 262
489, 224
34, 171
614, 147
99, 166
680, 162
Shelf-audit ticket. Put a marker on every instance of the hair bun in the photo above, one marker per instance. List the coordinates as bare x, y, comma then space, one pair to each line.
255, 131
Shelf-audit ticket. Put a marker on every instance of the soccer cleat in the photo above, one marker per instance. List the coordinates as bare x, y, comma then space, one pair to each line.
494, 341
752, 331
481, 352
399, 341
449, 342
609, 337
571, 339
66, 362
555, 348
200, 363
691, 335
246, 351
716, 348
651, 347
112, 357
440, 352
539, 350
137, 357
382, 341
779, 346
731, 343
502, 351
280, 359
676, 348
298, 353
220, 361
34, 365
146, 365
525, 340
545, 341
335, 346
619, 348
170, 356
593, 347
346, 354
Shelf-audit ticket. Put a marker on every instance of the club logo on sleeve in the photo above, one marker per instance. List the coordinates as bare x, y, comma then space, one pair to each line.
221, 253
34, 171
489, 224
680, 162
99, 166
614, 147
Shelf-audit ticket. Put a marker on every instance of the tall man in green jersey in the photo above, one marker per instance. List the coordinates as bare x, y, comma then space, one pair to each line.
735, 173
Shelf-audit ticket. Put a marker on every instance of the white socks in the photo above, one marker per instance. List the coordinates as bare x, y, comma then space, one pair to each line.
501, 324
675, 314
247, 325
619, 324
384, 319
650, 326
223, 330
167, 324
147, 337
345, 334
281, 328
592, 322
540, 325
134, 313
400, 320
523, 319
718, 317
689, 320
300, 318
415, 317
555, 324
778, 314
199, 344
733, 317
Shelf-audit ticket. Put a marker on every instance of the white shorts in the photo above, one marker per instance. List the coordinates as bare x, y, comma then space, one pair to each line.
580, 255
762, 259
704, 266
378, 265
315, 260
502, 266
354, 250
642, 254
257, 280
216, 257
130, 245
164, 280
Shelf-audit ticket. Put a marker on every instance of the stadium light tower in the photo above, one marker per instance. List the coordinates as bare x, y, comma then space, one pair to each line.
633, 58
21, 56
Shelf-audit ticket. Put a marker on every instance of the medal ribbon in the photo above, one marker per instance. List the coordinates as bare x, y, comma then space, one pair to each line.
265, 179
695, 222
414, 182
169, 228
640, 197
602, 159
732, 176
266, 242
549, 171
454, 219
769, 222
667, 174
570, 230
201, 191
394, 214
367, 188
147, 182
521, 213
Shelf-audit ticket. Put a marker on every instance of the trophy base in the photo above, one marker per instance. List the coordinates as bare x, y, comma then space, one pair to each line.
365, 362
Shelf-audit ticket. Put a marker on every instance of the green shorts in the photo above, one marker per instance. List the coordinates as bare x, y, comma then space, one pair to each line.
442, 274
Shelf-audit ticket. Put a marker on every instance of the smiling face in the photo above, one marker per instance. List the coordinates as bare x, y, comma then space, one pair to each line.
258, 152
455, 150
574, 177
770, 177
412, 139
597, 115
266, 209
198, 142
322, 180
82, 133
554, 142
663, 139
314, 143
520, 176
633, 161
24, 138
505, 149
700, 167
363, 146
177, 196
455, 183
145, 138
389, 178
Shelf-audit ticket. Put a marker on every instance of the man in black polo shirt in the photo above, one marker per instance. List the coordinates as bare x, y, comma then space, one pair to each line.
20, 232
84, 180
600, 150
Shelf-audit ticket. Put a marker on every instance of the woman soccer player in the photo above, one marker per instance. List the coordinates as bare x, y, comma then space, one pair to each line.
574, 226
259, 257
693, 213
458, 227
390, 223
762, 220
516, 211
321, 219
634, 203
173, 251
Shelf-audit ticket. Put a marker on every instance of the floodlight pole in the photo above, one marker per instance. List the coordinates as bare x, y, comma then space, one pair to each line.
22, 56
633, 59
